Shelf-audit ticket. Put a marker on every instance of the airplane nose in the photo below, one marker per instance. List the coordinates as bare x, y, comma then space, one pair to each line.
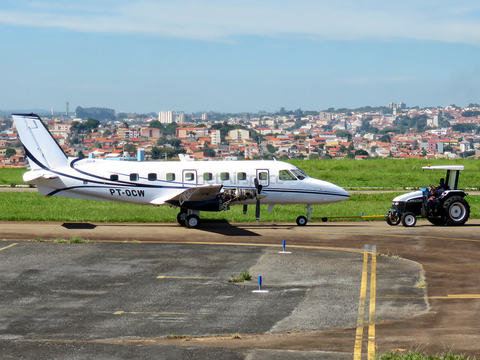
343, 192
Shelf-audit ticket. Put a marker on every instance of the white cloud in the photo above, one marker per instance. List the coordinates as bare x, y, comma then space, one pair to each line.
219, 20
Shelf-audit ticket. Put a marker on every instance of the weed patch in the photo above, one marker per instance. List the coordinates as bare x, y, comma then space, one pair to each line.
244, 276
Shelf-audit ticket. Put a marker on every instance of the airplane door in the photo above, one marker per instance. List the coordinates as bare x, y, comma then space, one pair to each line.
263, 176
189, 177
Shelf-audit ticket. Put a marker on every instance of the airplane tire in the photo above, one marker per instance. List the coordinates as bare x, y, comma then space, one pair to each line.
192, 221
409, 219
302, 221
181, 218
457, 211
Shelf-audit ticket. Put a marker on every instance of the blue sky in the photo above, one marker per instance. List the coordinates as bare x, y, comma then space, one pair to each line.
238, 56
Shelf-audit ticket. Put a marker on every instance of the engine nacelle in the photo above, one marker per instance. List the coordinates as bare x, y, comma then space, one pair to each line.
237, 194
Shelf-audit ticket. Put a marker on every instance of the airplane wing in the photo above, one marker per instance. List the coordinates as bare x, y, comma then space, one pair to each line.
196, 193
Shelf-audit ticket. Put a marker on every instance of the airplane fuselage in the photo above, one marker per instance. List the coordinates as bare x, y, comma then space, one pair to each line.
146, 182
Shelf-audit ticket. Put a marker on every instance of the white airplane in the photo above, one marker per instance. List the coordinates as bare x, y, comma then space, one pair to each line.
192, 186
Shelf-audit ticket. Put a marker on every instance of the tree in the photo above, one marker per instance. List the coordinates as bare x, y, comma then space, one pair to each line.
385, 138
343, 133
80, 154
91, 124
445, 124
162, 141
448, 148
10, 152
156, 153
175, 142
155, 124
361, 152
121, 116
271, 148
463, 128
365, 125
170, 129
130, 148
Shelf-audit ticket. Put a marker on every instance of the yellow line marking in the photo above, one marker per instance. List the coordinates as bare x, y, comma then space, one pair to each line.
357, 353
185, 277
371, 320
9, 246
459, 296
147, 313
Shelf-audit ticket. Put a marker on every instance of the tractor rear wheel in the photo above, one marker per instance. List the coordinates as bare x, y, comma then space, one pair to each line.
456, 210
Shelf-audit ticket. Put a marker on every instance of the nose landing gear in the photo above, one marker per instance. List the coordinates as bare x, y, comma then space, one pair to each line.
302, 220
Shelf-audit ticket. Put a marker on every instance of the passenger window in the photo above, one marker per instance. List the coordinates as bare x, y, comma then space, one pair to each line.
224, 176
189, 176
242, 176
286, 175
133, 177
114, 177
170, 177
207, 176
263, 176
152, 177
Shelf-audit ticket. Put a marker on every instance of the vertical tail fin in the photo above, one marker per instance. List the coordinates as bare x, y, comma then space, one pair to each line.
41, 149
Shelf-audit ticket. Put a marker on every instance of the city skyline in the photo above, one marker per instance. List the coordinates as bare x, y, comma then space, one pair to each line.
238, 56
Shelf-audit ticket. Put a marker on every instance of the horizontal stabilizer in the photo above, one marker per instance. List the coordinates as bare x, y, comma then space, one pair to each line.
197, 193
34, 175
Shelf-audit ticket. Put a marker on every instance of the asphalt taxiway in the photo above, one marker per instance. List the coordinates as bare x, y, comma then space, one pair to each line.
348, 289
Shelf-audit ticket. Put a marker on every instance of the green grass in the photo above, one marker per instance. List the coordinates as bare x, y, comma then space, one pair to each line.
28, 206
244, 276
11, 176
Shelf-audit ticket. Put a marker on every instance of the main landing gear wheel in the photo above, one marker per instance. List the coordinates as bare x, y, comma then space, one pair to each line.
192, 221
181, 217
302, 220
409, 219
457, 211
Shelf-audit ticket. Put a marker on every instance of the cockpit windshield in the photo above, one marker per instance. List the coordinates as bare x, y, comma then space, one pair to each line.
299, 174
286, 175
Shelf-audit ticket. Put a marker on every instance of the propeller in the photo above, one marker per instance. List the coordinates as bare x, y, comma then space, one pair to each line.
257, 206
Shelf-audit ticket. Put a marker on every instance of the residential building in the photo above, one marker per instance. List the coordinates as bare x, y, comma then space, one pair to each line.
239, 134
166, 117
215, 136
